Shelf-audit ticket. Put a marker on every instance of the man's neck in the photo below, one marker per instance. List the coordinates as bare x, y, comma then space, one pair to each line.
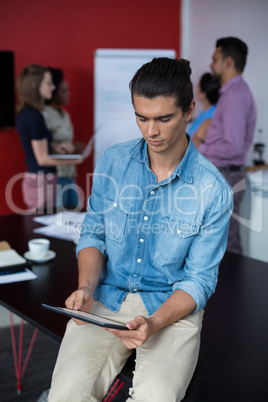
163, 165
228, 76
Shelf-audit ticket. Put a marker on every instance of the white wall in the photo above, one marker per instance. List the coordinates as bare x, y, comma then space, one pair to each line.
113, 110
204, 21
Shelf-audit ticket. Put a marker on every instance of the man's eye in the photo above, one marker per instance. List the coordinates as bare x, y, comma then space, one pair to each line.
142, 119
165, 120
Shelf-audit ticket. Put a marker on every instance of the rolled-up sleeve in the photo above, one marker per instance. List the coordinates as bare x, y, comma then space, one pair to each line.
92, 232
205, 254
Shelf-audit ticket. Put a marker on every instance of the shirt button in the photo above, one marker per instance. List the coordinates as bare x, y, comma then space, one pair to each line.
141, 240
152, 192
134, 275
178, 231
115, 204
139, 260
135, 290
146, 218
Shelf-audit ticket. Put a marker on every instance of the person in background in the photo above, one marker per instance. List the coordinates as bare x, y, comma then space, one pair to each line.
231, 132
58, 121
150, 247
207, 93
35, 85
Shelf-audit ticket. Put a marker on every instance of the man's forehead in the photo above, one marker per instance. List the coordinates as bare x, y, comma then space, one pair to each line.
156, 107
169, 100
217, 53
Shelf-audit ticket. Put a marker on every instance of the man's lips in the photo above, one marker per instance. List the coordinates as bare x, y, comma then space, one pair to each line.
155, 142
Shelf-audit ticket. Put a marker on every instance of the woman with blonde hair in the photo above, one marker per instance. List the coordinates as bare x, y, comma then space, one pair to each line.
34, 86
58, 121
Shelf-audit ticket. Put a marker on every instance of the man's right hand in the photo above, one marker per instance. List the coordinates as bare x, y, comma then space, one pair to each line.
81, 299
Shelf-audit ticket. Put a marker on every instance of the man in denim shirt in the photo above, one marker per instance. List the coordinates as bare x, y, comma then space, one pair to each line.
149, 251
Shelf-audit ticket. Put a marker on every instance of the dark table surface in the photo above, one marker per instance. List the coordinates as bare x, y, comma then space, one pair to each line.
233, 360
55, 281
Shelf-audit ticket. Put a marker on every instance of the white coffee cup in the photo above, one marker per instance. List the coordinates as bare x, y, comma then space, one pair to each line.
38, 248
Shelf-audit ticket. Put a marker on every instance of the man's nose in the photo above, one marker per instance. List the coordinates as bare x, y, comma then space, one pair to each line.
152, 128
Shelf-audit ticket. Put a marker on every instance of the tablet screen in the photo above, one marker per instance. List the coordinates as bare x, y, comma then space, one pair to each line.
87, 317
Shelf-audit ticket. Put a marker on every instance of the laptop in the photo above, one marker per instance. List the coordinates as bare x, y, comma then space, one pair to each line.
87, 149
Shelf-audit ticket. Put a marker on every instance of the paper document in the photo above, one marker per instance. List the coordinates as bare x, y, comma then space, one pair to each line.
63, 225
10, 257
60, 218
59, 232
16, 276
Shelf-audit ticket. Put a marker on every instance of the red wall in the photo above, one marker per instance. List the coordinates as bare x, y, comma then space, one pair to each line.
65, 33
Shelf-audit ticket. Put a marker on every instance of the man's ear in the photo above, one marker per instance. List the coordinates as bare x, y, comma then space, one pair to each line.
229, 62
188, 115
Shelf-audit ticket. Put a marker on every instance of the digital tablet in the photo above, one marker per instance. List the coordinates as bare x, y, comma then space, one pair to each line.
74, 155
88, 317
77, 155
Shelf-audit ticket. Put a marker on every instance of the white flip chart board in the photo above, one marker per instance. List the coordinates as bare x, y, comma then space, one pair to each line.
113, 111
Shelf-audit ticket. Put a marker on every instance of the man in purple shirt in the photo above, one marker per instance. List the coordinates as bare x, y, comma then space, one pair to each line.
231, 132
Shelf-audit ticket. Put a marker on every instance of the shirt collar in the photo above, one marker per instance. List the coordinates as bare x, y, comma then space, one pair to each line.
184, 170
230, 83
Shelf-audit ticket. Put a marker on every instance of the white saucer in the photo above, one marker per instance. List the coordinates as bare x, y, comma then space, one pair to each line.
49, 255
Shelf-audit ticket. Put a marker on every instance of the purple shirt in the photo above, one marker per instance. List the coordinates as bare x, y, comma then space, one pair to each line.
231, 132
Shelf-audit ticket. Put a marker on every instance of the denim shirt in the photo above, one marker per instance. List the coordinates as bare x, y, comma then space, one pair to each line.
156, 237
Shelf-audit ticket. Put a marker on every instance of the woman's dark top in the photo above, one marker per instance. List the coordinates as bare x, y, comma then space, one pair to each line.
31, 126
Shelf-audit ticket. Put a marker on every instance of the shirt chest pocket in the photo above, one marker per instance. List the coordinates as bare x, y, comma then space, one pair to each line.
180, 228
116, 219
173, 243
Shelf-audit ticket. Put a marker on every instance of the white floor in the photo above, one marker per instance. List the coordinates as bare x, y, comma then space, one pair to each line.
4, 318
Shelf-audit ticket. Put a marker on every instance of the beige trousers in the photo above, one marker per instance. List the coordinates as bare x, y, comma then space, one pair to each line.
90, 358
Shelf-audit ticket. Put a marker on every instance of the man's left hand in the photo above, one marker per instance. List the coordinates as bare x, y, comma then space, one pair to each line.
140, 330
